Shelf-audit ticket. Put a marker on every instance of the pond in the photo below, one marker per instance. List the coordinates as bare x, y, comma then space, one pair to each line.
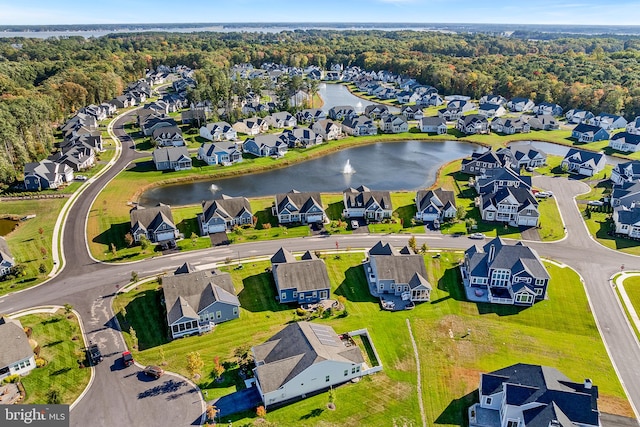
336, 94
7, 226
558, 149
392, 166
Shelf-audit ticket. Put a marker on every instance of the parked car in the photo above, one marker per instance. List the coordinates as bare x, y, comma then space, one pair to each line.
94, 355
354, 224
477, 236
543, 194
127, 359
81, 177
595, 203
153, 371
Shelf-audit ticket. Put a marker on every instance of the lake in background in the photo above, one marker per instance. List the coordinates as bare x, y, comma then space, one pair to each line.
558, 150
392, 166
335, 95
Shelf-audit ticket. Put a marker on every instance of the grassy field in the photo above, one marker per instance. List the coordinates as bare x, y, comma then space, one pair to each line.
557, 332
54, 333
632, 286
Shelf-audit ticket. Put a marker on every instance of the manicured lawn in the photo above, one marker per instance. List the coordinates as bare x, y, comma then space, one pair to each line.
632, 286
26, 242
551, 227
557, 332
403, 216
54, 333
599, 225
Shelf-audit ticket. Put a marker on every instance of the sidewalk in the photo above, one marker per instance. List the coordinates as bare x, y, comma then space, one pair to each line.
619, 283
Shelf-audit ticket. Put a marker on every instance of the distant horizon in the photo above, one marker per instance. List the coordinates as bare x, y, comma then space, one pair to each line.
116, 12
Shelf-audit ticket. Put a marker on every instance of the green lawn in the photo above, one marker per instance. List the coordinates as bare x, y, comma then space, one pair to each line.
599, 225
558, 332
54, 333
632, 286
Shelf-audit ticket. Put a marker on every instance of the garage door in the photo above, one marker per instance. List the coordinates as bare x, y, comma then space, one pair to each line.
165, 236
314, 218
216, 228
528, 222
585, 172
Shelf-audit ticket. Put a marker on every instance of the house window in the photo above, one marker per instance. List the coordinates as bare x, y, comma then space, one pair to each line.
327, 378
315, 294
353, 370
487, 401
295, 294
539, 291
513, 423
235, 311
175, 328
218, 315
181, 327
524, 298
283, 296
539, 282
346, 372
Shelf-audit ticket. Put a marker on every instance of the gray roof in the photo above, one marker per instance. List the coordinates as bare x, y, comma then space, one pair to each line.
515, 258
15, 344
170, 154
302, 202
226, 207
433, 121
628, 216
439, 196
282, 256
150, 218
524, 384
189, 293
364, 197
297, 347
5, 253
399, 267
306, 274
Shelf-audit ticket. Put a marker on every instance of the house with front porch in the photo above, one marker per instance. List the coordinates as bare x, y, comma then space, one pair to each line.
303, 281
520, 105
399, 273
46, 174
7, 263
327, 129
581, 162
436, 125
589, 133
16, 355
481, 162
502, 273
301, 137
625, 142
547, 108
392, 123
435, 205
172, 158
627, 220
218, 131
155, 223
364, 203
529, 157
196, 301
359, 126
342, 112
266, 145
473, 124
577, 116
223, 214
514, 206
297, 207
525, 395
220, 153
168, 136
626, 172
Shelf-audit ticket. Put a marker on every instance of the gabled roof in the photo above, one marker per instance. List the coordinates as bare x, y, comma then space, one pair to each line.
363, 197
170, 154
628, 216
399, 267
150, 218
297, 347
583, 157
301, 202
307, 274
440, 197
514, 258
433, 121
15, 344
282, 256
627, 138
585, 128
226, 207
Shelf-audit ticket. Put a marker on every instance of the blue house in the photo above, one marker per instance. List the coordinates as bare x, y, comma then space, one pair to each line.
304, 281
589, 133
266, 145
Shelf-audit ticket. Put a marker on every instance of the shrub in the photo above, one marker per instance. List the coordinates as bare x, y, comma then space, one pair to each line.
40, 362
300, 312
261, 411
12, 379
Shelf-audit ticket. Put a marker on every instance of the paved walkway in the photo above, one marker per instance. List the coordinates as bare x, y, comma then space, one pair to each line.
619, 283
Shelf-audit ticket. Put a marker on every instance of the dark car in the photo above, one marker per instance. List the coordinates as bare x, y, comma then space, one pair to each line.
94, 355
127, 359
153, 371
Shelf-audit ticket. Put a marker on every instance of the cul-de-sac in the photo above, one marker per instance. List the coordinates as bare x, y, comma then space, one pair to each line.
296, 226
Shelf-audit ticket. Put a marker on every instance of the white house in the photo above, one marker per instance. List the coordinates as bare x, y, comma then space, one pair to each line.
627, 220
16, 355
582, 162
394, 124
6, 260
435, 205
626, 142
436, 125
304, 358
218, 131
361, 202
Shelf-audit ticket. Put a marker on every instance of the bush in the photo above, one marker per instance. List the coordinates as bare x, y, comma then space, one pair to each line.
40, 362
12, 379
300, 312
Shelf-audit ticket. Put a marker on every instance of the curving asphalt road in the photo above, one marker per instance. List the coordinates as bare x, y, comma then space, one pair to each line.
122, 397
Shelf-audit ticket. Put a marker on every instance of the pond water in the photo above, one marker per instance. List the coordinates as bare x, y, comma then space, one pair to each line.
7, 226
393, 166
336, 94
558, 150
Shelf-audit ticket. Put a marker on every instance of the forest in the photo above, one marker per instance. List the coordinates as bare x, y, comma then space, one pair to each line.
43, 81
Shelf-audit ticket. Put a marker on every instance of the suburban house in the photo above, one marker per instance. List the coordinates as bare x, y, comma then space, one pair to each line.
219, 153
627, 220
435, 205
361, 202
547, 109
305, 358
626, 172
297, 207
494, 179
359, 126
168, 136
301, 137
266, 145
491, 110
46, 174
218, 131
510, 126
576, 116
310, 115
429, 99
327, 129
634, 126
473, 124
195, 116
303, 281
253, 126
342, 112
16, 356
171, 158
608, 121
626, 194
582, 162
78, 157
376, 111
626, 142
504, 274
479, 163
155, 223
436, 125
512, 205
394, 124
224, 213
529, 157
493, 99
524, 395
282, 119
400, 273
196, 301
455, 109
543, 122
412, 112
153, 122
6, 260
589, 133
520, 105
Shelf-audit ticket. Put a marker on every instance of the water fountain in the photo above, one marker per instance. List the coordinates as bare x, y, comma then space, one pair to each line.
214, 188
348, 169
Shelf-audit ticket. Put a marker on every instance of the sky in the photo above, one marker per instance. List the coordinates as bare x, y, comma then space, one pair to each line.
576, 12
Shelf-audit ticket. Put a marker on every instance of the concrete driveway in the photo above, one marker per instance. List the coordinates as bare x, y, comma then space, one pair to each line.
242, 400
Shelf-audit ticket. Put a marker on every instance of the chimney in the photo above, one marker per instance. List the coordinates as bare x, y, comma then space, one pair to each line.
492, 253
588, 383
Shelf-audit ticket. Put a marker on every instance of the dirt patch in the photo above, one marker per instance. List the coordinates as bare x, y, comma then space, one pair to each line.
407, 364
469, 378
615, 405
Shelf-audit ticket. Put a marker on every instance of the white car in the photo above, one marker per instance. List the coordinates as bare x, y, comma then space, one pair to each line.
543, 194
595, 203
81, 177
477, 236
354, 224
